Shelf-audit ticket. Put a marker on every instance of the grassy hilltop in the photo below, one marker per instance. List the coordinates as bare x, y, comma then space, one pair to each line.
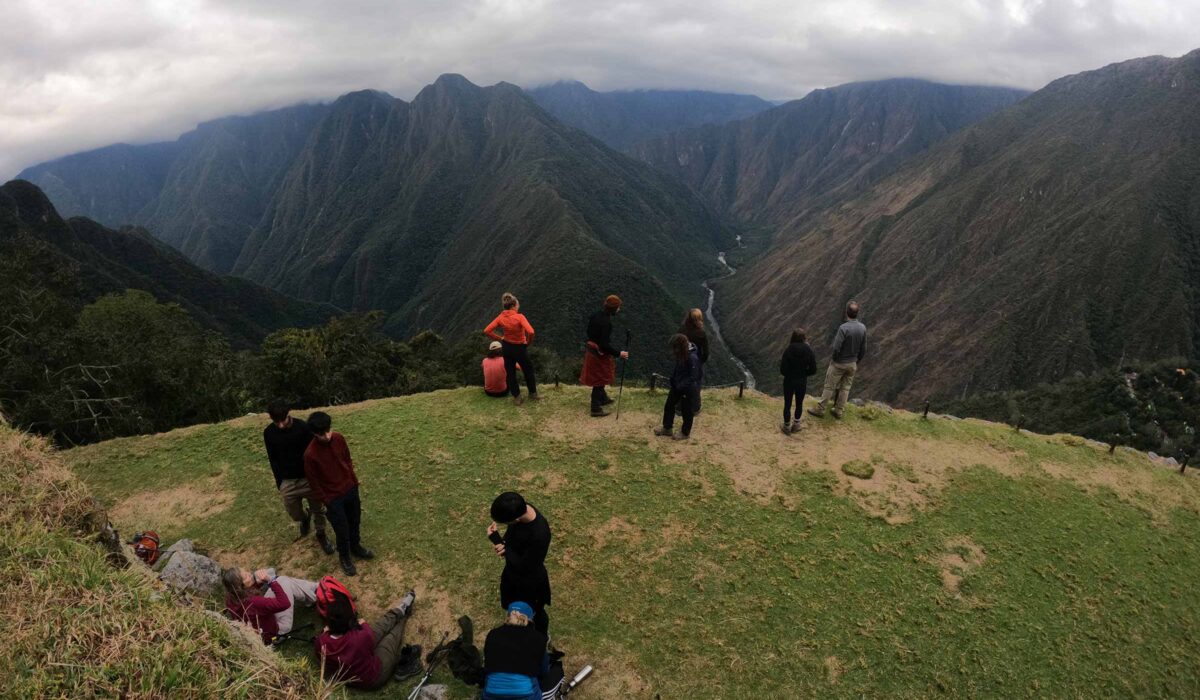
974, 561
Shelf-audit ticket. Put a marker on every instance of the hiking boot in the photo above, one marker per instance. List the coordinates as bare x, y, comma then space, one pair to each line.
817, 412
664, 432
518, 400
795, 427
607, 401
362, 552
680, 436
406, 603
409, 662
786, 427
306, 524
599, 413
535, 397
326, 545
836, 414
348, 565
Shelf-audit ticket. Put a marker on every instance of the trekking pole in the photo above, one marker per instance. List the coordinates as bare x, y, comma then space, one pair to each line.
621, 386
429, 672
279, 639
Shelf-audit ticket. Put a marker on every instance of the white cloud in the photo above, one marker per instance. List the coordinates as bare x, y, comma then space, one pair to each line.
81, 74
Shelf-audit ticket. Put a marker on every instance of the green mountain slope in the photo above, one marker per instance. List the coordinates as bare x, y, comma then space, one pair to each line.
622, 118
774, 166
975, 560
103, 260
1060, 235
431, 209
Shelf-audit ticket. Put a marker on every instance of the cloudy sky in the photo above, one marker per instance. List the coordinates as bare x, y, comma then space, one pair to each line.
78, 74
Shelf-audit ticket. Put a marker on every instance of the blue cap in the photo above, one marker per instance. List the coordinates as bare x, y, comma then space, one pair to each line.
523, 608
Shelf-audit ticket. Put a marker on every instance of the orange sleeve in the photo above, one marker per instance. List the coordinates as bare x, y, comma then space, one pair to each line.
525, 323
491, 328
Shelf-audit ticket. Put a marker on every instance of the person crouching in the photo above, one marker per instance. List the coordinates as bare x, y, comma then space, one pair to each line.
515, 657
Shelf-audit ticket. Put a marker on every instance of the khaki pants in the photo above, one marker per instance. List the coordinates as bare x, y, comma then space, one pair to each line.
838, 378
294, 492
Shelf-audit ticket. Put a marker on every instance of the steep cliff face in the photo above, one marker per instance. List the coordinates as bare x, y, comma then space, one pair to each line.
1059, 235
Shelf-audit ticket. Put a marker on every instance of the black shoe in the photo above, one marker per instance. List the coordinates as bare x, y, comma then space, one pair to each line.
409, 662
348, 565
362, 552
599, 413
326, 545
306, 524
607, 401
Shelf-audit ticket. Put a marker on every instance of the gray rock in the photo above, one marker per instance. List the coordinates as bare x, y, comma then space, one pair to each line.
191, 572
1152, 455
858, 402
432, 692
882, 406
184, 545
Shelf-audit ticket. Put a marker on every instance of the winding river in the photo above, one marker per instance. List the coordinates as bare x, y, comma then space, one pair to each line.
715, 328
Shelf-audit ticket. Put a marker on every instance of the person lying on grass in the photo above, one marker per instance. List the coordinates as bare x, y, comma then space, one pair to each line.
297, 590
365, 656
246, 601
515, 657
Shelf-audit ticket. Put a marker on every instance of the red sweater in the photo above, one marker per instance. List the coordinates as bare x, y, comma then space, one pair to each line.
350, 656
259, 611
328, 468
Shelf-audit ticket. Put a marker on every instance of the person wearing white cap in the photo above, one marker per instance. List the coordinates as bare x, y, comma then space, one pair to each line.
495, 377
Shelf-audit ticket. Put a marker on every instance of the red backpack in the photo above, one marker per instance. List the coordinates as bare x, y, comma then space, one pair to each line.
326, 588
145, 546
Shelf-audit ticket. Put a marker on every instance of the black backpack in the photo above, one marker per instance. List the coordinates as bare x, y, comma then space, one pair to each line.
462, 656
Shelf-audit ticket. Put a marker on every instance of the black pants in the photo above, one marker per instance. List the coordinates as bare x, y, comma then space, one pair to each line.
697, 392
686, 406
599, 397
514, 353
345, 515
793, 387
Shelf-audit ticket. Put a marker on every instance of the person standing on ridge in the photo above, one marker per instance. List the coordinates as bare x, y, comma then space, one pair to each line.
524, 546
684, 379
330, 472
286, 439
518, 334
797, 365
693, 328
849, 346
599, 363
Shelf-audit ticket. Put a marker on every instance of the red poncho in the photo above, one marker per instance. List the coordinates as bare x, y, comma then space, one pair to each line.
598, 369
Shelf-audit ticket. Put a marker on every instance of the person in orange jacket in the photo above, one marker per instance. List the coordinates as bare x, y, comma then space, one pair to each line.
518, 334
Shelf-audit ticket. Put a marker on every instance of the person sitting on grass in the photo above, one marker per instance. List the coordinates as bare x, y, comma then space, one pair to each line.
495, 379
685, 381
246, 602
515, 657
330, 474
797, 365
365, 656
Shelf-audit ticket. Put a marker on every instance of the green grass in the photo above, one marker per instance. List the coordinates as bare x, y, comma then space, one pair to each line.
671, 580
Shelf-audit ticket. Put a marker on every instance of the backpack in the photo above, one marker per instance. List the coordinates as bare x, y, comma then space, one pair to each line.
462, 656
326, 588
145, 546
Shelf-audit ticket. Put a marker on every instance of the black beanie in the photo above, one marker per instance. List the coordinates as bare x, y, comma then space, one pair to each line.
507, 507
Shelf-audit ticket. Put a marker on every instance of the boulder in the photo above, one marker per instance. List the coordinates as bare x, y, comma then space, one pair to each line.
192, 573
432, 692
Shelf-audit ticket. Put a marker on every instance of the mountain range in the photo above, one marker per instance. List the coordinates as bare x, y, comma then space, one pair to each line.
428, 210
1059, 235
104, 260
625, 118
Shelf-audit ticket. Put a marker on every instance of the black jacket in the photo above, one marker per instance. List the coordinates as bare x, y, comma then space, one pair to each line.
686, 375
798, 361
699, 338
599, 331
512, 649
285, 449
525, 577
